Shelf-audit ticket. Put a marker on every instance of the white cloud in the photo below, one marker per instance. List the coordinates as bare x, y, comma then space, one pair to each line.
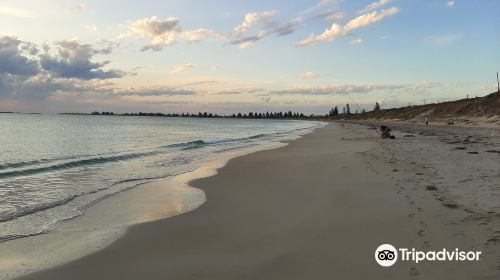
16, 12
197, 35
164, 32
357, 41
367, 19
374, 6
310, 75
91, 27
246, 45
253, 19
153, 27
337, 30
451, 3
266, 27
182, 68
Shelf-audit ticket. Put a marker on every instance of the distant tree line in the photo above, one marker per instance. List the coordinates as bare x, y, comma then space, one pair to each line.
333, 113
250, 115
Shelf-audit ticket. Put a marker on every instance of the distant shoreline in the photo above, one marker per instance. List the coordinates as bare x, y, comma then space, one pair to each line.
206, 115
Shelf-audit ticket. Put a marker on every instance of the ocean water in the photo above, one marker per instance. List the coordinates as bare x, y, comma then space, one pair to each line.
54, 167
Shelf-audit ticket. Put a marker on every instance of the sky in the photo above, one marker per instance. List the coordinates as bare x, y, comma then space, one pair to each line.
227, 56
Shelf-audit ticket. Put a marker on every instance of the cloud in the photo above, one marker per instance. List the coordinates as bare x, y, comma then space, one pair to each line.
65, 69
266, 27
332, 16
239, 91
450, 3
74, 60
164, 32
374, 6
310, 75
321, 6
43, 86
198, 35
24, 73
155, 91
182, 68
153, 27
357, 41
336, 30
253, 19
16, 12
341, 89
369, 18
90, 27
13, 57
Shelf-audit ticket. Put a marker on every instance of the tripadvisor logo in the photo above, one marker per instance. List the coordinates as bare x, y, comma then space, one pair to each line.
387, 255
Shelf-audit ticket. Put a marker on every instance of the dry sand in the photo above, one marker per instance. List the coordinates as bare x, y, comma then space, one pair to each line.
315, 209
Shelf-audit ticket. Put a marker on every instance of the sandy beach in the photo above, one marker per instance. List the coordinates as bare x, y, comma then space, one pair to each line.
319, 207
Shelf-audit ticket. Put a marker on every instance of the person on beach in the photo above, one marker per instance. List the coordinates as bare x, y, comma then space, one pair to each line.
426, 120
386, 132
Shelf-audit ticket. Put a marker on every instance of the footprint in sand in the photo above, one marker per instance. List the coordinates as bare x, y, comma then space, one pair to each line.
431, 188
421, 233
451, 205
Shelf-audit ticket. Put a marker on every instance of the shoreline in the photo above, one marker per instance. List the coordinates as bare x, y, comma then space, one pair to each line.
106, 221
290, 212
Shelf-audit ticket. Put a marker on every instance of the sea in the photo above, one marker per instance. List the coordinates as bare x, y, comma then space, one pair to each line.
54, 168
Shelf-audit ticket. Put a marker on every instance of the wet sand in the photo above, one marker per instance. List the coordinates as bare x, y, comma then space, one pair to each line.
314, 209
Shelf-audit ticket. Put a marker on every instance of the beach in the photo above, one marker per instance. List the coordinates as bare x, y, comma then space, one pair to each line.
318, 208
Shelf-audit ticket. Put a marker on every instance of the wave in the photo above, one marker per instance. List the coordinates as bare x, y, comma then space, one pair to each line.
36, 208
48, 165
201, 143
40, 166
45, 206
72, 164
187, 145
44, 165
20, 164
78, 211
